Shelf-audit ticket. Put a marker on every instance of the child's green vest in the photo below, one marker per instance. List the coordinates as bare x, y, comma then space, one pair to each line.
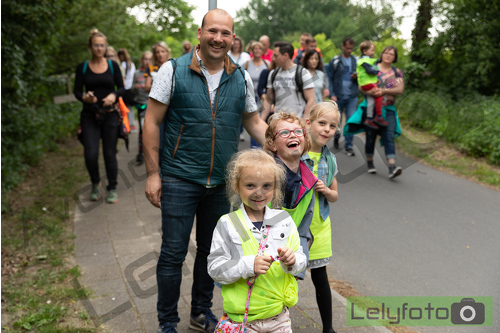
363, 77
280, 290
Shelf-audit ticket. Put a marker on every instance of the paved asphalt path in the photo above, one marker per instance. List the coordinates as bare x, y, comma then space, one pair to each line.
425, 233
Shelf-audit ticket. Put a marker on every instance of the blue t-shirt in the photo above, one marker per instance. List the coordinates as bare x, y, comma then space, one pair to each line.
258, 224
346, 77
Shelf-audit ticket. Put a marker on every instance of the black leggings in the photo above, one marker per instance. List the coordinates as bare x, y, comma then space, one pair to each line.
92, 134
323, 296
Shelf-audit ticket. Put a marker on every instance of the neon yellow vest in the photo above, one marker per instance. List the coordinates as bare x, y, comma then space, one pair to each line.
271, 291
363, 77
321, 230
298, 212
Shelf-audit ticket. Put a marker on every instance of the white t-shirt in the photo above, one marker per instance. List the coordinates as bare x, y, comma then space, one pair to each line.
242, 59
320, 83
129, 78
285, 90
160, 90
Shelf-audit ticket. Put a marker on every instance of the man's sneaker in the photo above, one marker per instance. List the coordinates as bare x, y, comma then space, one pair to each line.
394, 171
370, 123
349, 152
133, 129
139, 159
371, 167
112, 196
167, 328
95, 194
379, 120
336, 143
204, 322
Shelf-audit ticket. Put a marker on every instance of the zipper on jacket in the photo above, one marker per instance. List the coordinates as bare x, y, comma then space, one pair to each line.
213, 128
178, 140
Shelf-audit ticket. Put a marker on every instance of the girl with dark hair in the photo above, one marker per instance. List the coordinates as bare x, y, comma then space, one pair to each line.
237, 52
312, 62
391, 84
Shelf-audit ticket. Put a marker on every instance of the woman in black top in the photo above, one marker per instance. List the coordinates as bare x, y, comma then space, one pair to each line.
99, 118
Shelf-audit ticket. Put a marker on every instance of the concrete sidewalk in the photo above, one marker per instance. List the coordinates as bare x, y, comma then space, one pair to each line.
117, 247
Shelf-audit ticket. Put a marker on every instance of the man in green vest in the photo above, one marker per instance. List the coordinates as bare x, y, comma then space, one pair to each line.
204, 97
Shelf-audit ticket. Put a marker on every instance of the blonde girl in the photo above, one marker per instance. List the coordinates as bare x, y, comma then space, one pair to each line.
161, 54
98, 84
256, 250
321, 126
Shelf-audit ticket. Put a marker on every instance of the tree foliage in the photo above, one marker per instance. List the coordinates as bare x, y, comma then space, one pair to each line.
41, 38
280, 19
465, 56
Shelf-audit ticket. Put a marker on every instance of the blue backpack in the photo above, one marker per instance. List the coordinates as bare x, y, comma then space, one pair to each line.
86, 64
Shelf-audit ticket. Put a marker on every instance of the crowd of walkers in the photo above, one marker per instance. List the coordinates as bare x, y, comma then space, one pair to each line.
190, 115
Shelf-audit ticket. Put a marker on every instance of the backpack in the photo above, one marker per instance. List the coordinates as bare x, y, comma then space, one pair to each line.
298, 80
246, 65
335, 63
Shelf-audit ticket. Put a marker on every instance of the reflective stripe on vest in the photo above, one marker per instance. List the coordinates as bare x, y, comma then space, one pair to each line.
271, 291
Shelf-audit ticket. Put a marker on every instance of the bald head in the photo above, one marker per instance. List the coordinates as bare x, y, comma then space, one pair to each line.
266, 41
214, 14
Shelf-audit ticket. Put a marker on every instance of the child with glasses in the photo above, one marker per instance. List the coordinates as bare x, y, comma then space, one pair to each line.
287, 139
321, 126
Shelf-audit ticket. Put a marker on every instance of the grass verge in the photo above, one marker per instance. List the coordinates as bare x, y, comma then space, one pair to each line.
447, 157
37, 247
345, 289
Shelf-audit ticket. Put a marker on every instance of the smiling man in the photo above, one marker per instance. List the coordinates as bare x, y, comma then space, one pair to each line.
207, 97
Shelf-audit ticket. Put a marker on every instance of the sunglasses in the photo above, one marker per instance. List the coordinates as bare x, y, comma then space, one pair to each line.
285, 133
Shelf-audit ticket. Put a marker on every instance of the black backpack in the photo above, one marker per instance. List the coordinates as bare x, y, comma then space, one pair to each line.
298, 80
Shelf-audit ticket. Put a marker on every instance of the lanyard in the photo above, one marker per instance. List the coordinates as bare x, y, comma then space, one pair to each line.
251, 281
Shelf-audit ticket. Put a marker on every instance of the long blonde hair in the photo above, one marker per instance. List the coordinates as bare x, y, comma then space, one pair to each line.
324, 107
255, 159
160, 44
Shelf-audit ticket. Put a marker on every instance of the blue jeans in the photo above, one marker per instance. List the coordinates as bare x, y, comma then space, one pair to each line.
180, 202
349, 105
386, 133
254, 144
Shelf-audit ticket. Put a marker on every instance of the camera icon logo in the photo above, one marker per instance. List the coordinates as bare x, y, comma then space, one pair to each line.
467, 312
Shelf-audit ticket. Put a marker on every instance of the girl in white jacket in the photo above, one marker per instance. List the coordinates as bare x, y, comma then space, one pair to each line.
256, 250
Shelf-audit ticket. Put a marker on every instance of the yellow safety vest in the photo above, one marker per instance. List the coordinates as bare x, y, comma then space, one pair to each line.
271, 291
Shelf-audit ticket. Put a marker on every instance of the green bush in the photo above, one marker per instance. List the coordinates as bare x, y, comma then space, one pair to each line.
485, 139
29, 132
471, 123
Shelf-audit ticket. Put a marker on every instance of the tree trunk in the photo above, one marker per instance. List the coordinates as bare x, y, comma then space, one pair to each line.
421, 31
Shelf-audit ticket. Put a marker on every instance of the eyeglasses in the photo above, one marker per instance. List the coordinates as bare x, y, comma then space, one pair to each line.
285, 133
148, 59
109, 55
95, 46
